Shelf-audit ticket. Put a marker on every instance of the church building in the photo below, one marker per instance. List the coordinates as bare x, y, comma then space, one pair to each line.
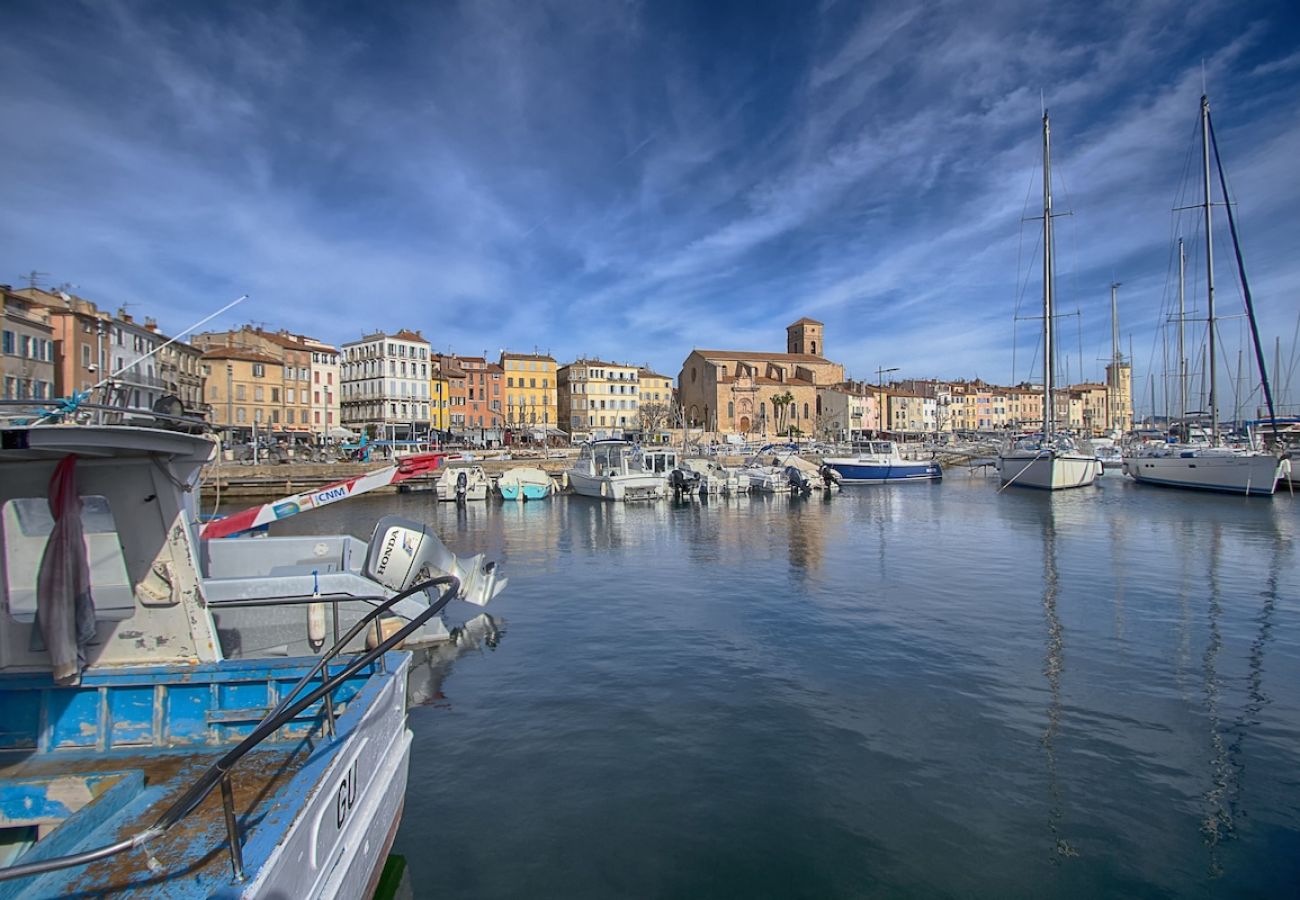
745, 392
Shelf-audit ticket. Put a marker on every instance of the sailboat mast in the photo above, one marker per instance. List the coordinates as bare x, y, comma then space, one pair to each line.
1209, 273
1113, 381
1182, 350
1049, 400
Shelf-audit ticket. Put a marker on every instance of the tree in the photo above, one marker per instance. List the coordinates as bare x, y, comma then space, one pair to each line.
655, 417
782, 404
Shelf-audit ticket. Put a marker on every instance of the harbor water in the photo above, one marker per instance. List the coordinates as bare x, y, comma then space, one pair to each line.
925, 690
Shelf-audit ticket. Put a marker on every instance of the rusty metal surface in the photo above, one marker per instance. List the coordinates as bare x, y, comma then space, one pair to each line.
192, 857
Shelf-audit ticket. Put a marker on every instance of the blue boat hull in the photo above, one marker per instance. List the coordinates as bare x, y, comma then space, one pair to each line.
873, 473
530, 491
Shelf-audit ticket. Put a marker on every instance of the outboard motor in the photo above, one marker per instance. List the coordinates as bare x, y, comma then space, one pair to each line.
798, 480
683, 482
403, 553
462, 485
830, 477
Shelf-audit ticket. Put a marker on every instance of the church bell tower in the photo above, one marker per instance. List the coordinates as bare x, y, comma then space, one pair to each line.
805, 337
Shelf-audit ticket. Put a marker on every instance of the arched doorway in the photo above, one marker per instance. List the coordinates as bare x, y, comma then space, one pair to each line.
744, 424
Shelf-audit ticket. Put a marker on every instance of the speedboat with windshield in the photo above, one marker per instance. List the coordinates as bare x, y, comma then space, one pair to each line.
880, 462
615, 470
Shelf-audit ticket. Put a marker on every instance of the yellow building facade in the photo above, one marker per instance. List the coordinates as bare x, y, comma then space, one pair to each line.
439, 400
244, 388
531, 390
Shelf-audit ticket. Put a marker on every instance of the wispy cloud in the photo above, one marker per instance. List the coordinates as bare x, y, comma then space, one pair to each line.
635, 179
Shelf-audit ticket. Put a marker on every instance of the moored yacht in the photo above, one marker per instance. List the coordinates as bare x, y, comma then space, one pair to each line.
1209, 465
615, 470
524, 483
461, 483
1048, 460
879, 462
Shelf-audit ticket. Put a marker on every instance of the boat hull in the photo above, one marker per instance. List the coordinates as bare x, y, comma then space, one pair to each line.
617, 487
853, 471
524, 491
1254, 475
1048, 471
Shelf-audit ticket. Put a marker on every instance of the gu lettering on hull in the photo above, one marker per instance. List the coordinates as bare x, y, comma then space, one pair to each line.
346, 796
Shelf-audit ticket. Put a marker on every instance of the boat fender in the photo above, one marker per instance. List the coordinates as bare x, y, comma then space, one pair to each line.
604, 489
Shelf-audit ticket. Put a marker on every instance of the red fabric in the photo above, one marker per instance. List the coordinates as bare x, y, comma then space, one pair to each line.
64, 609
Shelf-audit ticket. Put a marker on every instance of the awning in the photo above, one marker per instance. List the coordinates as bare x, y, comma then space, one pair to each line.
342, 433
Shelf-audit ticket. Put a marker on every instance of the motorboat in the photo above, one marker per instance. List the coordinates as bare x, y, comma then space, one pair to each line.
459, 484
614, 470
717, 479
137, 756
681, 480
880, 462
524, 483
778, 469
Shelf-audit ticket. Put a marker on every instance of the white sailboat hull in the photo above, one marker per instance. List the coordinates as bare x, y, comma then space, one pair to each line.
1233, 473
1047, 470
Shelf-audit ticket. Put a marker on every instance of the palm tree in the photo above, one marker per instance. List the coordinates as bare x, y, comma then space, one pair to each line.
782, 403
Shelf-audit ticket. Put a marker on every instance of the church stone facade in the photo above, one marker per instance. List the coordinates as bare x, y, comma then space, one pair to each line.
739, 391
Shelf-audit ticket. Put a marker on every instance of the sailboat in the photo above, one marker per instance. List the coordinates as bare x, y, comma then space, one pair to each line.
1208, 465
1049, 460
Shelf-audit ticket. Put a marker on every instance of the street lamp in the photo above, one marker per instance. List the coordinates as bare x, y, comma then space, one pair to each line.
880, 397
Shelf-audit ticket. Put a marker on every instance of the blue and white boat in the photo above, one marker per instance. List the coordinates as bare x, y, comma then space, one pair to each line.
136, 759
879, 462
524, 483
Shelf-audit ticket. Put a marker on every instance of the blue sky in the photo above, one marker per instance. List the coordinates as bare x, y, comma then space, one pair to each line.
632, 180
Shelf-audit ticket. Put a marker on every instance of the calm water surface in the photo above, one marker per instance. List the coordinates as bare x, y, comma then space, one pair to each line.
914, 690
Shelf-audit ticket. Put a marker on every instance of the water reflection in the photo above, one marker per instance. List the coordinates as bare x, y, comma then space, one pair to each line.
1053, 669
430, 666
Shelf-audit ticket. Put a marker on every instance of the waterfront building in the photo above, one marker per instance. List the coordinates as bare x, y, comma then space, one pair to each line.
457, 389
326, 376
80, 336
1119, 408
484, 415
531, 390
439, 415
385, 385
845, 409
754, 392
28, 349
136, 381
909, 413
244, 391
599, 399
180, 365
293, 354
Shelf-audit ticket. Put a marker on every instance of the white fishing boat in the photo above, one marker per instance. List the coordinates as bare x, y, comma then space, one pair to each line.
459, 484
615, 470
1211, 466
765, 470
524, 483
1049, 460
123, 716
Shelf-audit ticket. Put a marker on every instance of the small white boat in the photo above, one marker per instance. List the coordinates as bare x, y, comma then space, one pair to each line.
615, 470
524, 483
1052, 465
717, 479
462, 483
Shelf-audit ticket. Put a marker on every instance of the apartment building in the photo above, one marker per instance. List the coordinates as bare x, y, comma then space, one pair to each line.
531, 390
28, 349
385, 385
598, 399
326, 373
244, 391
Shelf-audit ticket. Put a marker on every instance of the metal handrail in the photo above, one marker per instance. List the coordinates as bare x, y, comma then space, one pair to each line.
219, 772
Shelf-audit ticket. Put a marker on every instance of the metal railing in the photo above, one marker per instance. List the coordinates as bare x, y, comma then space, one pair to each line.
218, 774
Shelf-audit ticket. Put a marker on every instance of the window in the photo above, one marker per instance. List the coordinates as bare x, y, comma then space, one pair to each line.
288, 416
240, 392
259, 370
288, 394
85, 356
259, 394
315, 376
275, 395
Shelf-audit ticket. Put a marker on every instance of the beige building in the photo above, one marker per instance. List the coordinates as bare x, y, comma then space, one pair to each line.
845, 409
244, 390
28, 357
385, 385
757, 393
1119, 382
294, 357
325, 374
599, 399
180, 366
